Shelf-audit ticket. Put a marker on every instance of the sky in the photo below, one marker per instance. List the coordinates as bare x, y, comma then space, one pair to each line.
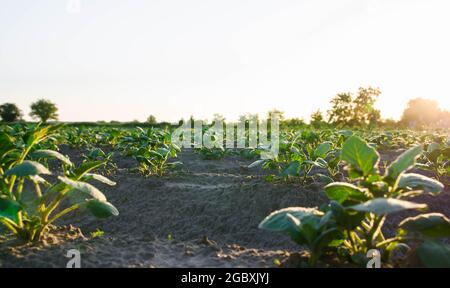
126, 59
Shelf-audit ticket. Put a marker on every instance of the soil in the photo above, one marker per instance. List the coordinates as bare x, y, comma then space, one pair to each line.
204, 215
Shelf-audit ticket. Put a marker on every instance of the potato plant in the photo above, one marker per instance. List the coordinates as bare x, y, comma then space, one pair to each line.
212, 153
152, 149
98, 154
300, 154
352, 222
29, 203
436, 159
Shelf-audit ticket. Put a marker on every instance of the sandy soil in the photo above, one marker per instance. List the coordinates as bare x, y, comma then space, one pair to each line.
204, 215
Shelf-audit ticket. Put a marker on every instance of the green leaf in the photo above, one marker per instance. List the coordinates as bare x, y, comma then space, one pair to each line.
340, 192
345, 133
403, 162
346, 218
101, 209
99, 178
86, 167
326, 238
433, 225
320, 162
360, 155
155, 154
382, 206
85, 188
309, 227
434, 255
163, 151
7, 143
257, 163
28, 168
51, 154
38, 134
293, 229
323, 178
292, 169
96, 153
277, 220
417, 181
9, 209
322, 149
432, 147
293, 221
38, 179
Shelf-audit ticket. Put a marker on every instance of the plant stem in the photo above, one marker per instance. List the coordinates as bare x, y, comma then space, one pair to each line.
62, 213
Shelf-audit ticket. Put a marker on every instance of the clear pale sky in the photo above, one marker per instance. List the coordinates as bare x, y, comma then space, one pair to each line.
126, 59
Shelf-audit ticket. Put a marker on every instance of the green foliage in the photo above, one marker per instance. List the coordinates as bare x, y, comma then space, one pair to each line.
97, 233
363, 159
434, 254
432, 225
152, 148
436, 158
28, 217
340, 113
9, 112
306, 227
97, 154
352, 222
347, 110
317, 119
152, 120
362, 190
303, 152
44, 110
212, 153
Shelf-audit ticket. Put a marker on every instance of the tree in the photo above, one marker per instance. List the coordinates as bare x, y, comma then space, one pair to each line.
364, 111
152, 120
317, 119
421, 112
9, 112
340, 112
347, 110
44, 110
294, 122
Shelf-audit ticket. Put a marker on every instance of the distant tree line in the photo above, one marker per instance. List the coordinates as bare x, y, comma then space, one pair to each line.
424, 113
42, 110
347, 110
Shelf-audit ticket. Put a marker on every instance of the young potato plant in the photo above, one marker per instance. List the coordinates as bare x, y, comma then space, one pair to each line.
155, 162
249, 153
308, 156
302, 158
352, 222
28, 202
214, 153
98, 154
152, 149
77, 137
436, 159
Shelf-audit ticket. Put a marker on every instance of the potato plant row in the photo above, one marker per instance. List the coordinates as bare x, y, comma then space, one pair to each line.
362, 189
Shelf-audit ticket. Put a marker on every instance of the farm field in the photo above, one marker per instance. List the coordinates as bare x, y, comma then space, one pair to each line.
228, 140
204, 211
